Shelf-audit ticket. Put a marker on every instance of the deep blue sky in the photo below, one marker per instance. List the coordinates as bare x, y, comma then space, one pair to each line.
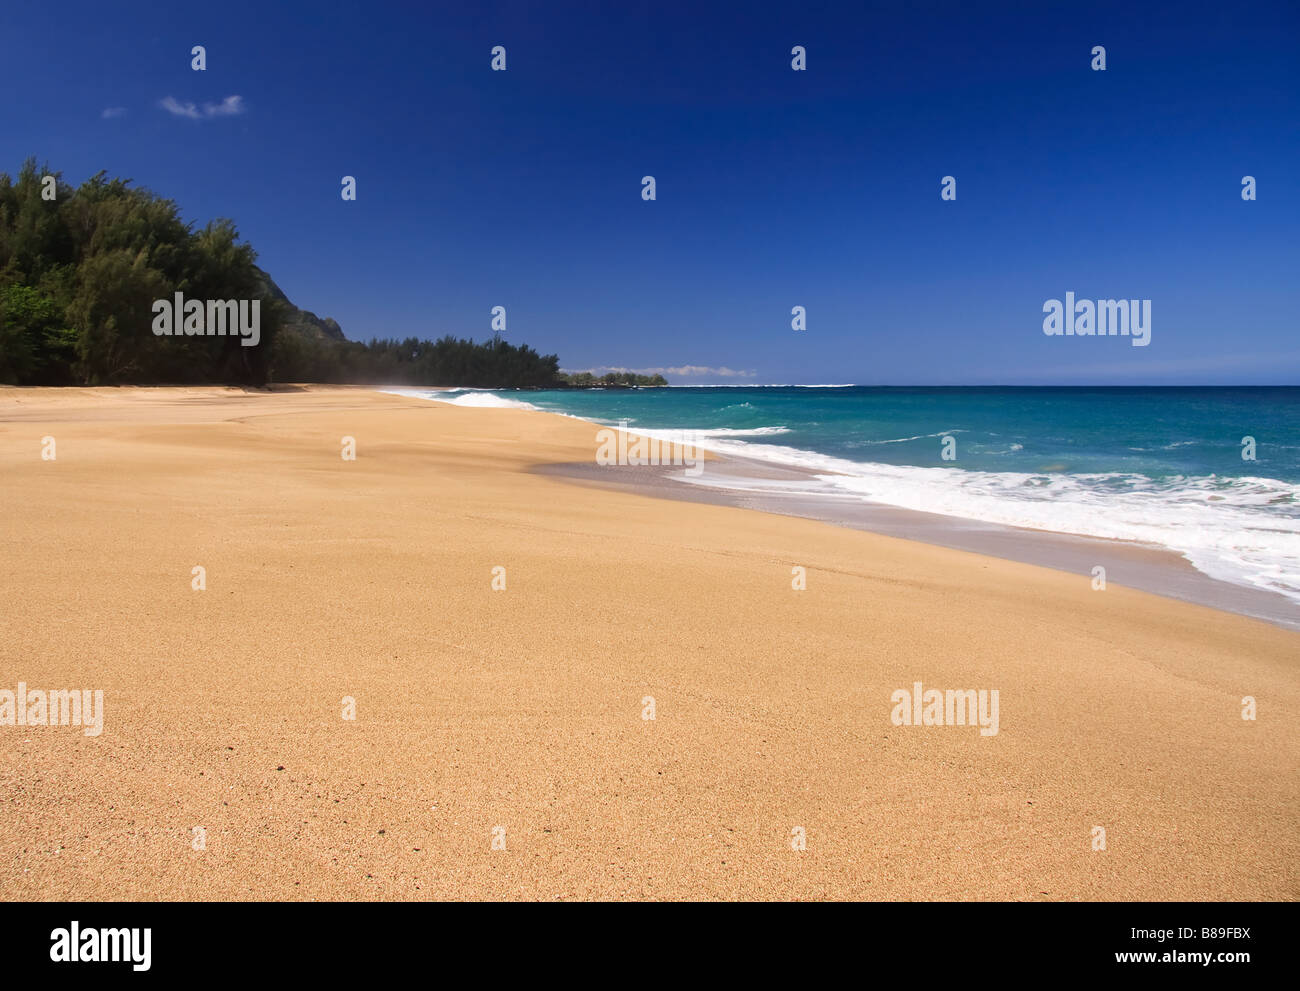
775, 188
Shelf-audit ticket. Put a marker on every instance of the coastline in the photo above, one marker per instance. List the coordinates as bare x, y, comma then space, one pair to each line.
523, 709
1147, 567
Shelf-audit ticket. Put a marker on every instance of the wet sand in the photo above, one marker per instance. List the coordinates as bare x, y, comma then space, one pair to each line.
726, 481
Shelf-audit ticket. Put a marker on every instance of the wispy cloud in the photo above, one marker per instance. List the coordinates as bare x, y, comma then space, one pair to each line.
174, 106
231, 106
697, 370
690, 371
110, 112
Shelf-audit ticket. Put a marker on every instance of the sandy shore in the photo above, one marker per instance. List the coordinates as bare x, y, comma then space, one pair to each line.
522, 709
729, 481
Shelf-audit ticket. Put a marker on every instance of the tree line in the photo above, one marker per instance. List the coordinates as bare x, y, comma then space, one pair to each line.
80, 269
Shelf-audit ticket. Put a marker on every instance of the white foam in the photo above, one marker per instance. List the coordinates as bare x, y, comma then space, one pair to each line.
904, 440
739, 432
1243, 530
458, 397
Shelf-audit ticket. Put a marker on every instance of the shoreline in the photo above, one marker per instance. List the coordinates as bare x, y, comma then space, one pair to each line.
767, 485
520, 711
1146, 567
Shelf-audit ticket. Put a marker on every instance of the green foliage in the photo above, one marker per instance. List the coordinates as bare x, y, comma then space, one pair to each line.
35, 345
448, 361
79, 275
611, 380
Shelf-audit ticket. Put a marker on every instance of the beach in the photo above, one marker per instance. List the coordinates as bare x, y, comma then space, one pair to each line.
501, 747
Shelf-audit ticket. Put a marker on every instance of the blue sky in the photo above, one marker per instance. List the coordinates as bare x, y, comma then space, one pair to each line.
775, 188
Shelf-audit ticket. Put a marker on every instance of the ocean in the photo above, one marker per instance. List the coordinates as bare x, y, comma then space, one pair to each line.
1162, 466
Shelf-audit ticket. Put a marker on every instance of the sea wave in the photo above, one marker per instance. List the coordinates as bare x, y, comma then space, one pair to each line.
904, 440
1244, 530
484, 400
742, 432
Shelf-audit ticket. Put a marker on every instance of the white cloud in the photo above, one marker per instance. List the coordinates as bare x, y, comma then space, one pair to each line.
231, 106
690, 371
174, 106
697, 370
111, 112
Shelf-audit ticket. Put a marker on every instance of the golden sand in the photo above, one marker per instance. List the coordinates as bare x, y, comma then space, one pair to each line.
523, 709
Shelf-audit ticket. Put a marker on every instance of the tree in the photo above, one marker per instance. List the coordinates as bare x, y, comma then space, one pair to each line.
79, 276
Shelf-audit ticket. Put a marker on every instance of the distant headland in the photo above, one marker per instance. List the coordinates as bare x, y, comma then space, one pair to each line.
84, 272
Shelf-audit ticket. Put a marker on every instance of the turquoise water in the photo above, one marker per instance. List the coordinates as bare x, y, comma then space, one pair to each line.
1163, 466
